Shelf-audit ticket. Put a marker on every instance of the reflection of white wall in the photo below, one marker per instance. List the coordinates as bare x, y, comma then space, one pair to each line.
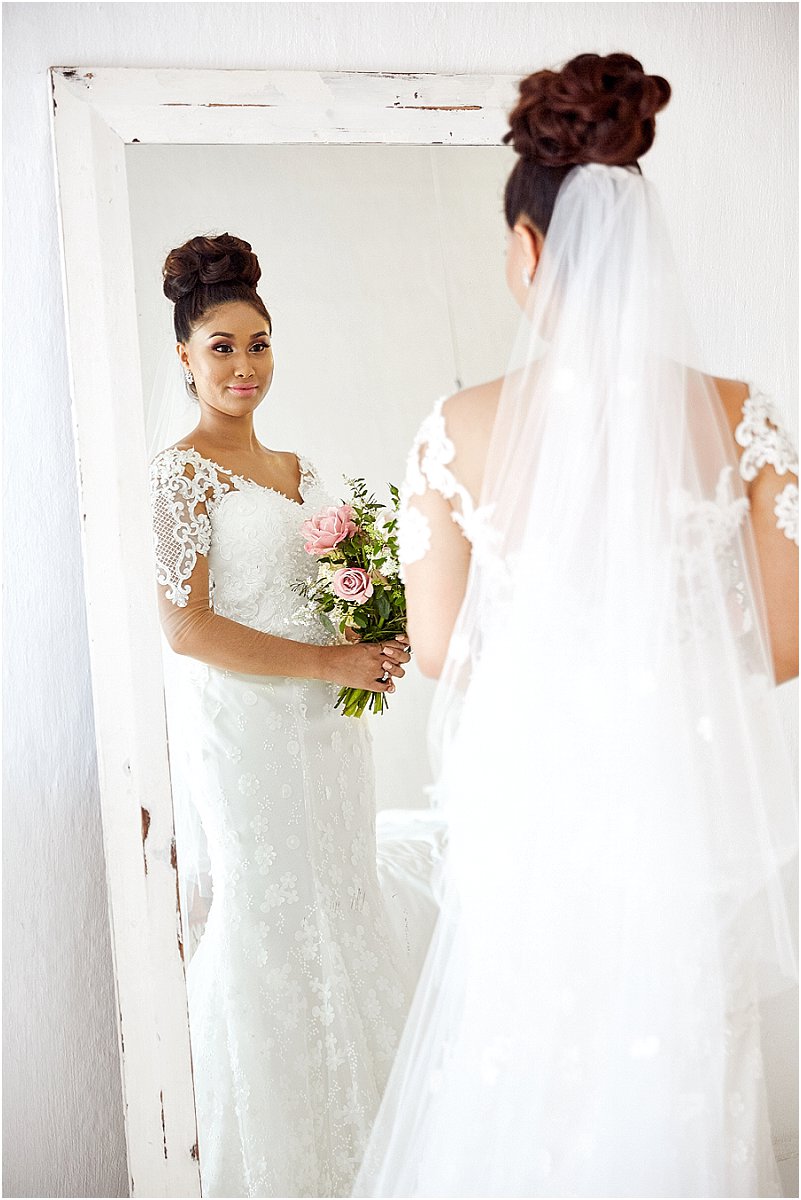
383, 271
726, 161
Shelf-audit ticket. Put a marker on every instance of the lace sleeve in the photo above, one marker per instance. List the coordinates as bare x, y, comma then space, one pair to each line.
765, 443
428, 469
181, 484
309, 475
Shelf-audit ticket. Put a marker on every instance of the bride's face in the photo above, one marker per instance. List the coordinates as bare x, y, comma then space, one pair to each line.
231, 358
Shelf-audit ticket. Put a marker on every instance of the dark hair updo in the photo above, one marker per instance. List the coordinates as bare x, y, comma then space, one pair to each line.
209, 271
597, 109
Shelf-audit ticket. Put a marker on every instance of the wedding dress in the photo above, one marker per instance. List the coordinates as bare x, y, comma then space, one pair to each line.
299, 985
608, 754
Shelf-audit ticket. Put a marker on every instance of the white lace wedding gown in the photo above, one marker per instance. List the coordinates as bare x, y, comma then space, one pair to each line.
298, 989
490, 1093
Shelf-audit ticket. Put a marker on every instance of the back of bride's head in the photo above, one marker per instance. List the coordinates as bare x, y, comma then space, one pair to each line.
597, 109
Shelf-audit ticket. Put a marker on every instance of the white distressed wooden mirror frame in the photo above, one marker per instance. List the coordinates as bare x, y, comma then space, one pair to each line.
95, 114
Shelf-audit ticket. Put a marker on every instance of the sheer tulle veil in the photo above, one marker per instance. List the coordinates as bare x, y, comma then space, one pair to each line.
170, 412
611, 762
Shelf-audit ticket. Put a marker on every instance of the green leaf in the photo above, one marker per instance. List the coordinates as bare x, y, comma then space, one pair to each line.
327, 623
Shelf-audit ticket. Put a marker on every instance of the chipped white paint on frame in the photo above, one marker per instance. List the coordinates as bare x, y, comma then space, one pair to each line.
95, 113
270, 107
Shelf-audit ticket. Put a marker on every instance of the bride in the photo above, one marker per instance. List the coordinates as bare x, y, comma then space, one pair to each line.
298, 988
601, 563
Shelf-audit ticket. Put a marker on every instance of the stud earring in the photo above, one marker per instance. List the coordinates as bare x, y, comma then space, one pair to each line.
525, 275
188, 376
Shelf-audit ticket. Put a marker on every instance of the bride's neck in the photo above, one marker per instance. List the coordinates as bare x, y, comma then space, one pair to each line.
235, 434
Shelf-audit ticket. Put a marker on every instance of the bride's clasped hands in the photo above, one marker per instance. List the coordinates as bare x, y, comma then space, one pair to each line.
361, 665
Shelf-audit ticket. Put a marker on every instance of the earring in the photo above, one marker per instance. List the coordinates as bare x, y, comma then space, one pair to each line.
525, 275
188, 376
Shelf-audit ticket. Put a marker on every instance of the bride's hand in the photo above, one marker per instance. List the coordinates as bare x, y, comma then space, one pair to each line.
360, 665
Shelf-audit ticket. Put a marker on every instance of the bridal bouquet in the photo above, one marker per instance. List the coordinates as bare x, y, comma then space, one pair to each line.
357, 591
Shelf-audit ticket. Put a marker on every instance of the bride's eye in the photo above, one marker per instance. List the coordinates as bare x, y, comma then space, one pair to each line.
221, 346
260, 346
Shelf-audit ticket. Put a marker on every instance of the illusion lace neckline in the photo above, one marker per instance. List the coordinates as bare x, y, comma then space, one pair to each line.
305, 475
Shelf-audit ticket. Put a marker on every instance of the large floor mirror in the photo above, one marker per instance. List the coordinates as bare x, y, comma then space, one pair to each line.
374, 204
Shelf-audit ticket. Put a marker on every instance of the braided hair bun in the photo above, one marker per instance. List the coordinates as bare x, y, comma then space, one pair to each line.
598, 108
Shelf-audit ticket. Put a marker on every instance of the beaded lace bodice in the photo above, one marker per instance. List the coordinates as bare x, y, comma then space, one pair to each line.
760, 433
250, 534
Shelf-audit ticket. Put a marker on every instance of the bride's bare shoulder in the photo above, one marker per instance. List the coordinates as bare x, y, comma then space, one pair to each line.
733, 395
471, 411
469, 417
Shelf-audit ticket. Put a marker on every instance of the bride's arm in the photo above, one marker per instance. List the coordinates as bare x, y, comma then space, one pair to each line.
443, 476
436, 583
762, 446
197, 631
191, 627
778, 565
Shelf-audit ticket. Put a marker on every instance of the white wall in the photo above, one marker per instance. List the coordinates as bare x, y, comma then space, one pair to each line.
729, 182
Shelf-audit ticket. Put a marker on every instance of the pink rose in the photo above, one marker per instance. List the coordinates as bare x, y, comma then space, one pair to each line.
328, 528
352, 583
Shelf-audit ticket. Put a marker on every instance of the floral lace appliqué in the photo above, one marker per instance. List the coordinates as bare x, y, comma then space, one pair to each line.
428, 468
189, 518
786, 510
703, 524
765, 443
181, 524
414, 534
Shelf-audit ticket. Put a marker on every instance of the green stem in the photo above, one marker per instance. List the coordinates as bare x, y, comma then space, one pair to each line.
354, 701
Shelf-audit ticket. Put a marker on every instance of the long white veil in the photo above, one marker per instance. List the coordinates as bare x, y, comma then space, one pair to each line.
607, 747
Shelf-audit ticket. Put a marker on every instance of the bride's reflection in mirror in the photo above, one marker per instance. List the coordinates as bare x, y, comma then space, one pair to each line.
299, 987
304, 934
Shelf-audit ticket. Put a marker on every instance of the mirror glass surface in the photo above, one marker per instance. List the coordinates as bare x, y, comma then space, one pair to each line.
383, 270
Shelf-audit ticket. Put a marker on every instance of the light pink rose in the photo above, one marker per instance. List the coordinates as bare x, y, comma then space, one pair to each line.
352, 583
328, 528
